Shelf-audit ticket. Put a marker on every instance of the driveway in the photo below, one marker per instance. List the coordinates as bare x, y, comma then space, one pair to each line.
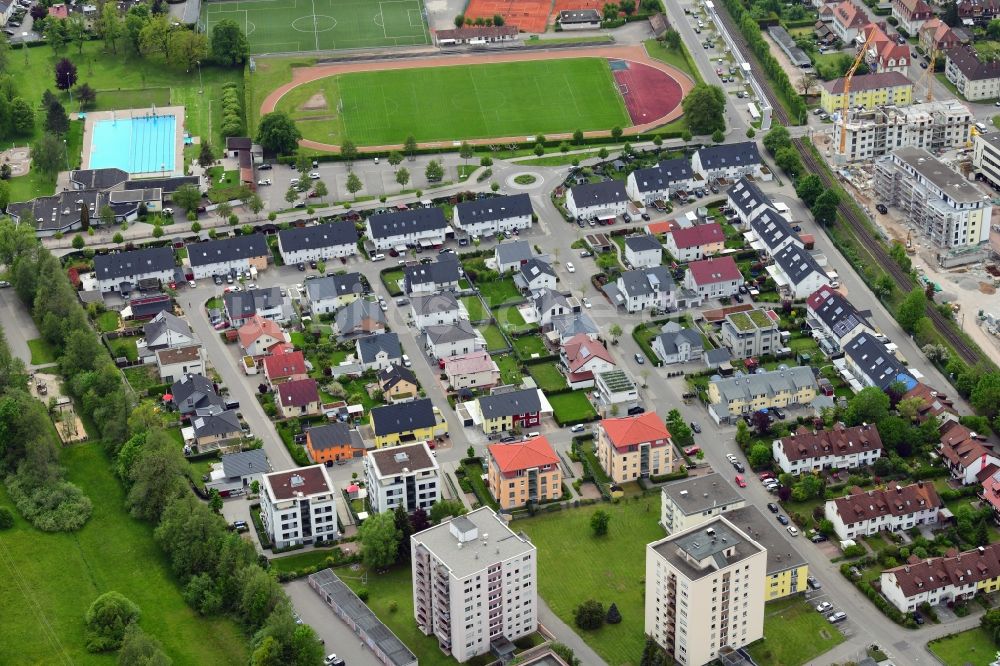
18, 326
336, 635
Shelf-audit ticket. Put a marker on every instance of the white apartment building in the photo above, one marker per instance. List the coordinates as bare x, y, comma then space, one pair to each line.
406, 476
475, 583
318, 242
689, 503
751, 333
839, 448
932, 126
425, 227
975, 78
491, 215
299, 506
986, 157
942, 204
705, 591
897, 508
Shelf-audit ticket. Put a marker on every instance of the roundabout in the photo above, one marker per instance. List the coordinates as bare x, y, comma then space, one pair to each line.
524, 180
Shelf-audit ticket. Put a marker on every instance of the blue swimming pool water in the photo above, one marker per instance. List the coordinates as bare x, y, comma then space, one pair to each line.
137, 145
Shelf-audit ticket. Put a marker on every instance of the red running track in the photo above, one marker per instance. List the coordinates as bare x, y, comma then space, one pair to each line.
648, 92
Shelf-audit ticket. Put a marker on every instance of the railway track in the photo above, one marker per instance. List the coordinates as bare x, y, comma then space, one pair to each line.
777, 110
904, 281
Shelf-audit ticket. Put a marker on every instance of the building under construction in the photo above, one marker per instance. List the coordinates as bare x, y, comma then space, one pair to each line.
933, 126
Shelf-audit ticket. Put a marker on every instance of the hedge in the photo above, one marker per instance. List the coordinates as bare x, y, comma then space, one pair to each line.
232, 111
681, 473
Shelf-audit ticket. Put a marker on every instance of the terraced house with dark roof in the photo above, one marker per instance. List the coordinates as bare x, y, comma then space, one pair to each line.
489, 216
939, 580
417, 227
891, 509
122, 271
837, 448
319, 242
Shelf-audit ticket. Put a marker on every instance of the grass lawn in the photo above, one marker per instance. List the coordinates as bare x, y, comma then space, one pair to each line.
794, 633
49, 580
285, 25
679, 59
494, 338
529, 97
572, 406
297, 338
511, 319
36, 184
610, 569
526, 345
108, 321
125, 347
42, 352
547, 376
510, 371
969, 647
391, 280
500, 292
141, 377
559, 160
474, 306
225, 185
474, 473
215, 303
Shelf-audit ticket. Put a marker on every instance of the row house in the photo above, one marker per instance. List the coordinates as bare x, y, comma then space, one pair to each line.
225, 256
604, 200
968, 455
658, 183
892, 509
417, 227
492, 215
941, 580
695, 242
123, 271
436, 310
643, 289
833, 319
328, 294
728, 161
319, 242
740, 394
440, 275
718, 277
838, 448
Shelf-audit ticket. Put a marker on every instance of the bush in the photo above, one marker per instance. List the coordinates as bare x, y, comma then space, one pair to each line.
56, 506
107, 619
856, 550
6, 518
589, 614
232, 111
363, 594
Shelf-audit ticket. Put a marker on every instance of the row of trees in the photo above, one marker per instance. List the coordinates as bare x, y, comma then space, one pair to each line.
758, 45
822, 202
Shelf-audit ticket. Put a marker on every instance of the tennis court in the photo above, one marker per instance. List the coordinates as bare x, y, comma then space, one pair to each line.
281, 26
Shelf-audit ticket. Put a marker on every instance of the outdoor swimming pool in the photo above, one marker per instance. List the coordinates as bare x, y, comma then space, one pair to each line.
143, 144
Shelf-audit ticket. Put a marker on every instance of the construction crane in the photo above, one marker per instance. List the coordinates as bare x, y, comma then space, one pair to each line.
928, 77
847, 90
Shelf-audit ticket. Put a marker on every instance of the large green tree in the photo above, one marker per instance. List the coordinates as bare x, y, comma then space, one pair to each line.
278, 134
986, 396
704, 107
379, 540
107, 619
824, 209
229, 44
913, 307
869, 405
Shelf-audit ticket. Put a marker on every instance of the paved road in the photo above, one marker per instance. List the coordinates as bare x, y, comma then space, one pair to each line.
18, 326
337, 637
225, 358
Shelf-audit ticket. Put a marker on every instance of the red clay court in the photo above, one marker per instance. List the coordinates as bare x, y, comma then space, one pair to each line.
648, 92
527, 15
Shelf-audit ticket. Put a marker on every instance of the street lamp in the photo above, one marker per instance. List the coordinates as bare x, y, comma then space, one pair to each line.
66, 151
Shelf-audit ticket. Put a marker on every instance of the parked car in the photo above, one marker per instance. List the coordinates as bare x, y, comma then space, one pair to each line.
777, 412
882, 209
263, 167
918, 618
813, 583
508, 439
692, 450
586, 303
639, 359
839, 616
782, 519
586, 253
730, 457
740, 481
793, 530
695, 427
739, 467
570, 267
824, 607
818, 538
577, 428
264, 181
764, 476
314, 175
772, 507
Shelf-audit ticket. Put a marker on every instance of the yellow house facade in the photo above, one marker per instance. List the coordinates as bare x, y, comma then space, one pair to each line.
406, 422
777, 388
868, 91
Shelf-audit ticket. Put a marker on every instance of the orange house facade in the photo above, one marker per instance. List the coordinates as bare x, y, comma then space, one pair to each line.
524, 472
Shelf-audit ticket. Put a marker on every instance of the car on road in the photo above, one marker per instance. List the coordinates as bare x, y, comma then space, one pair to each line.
730, 457
813, 583
923, 65
824, 607
382, 306
333, 660
570, 267
782, 519
577, 428
640, 359
772, 507
263, 167
586, 253
264, 181
221, 325
407, 363
378, 257
695, 427
692, 450
793, 530
740, 481
839, 616
738, 466
882, 209
586, 303
240, 526
314, 175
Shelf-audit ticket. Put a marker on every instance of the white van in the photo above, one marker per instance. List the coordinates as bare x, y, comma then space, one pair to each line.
981, 127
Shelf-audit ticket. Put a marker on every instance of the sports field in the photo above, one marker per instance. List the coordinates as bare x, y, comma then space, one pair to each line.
520, 98
279, 26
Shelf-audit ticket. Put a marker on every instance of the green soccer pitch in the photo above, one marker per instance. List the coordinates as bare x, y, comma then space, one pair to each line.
512, 99
279, 26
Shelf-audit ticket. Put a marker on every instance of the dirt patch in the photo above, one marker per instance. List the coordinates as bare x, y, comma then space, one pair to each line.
315, 103
987, 288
